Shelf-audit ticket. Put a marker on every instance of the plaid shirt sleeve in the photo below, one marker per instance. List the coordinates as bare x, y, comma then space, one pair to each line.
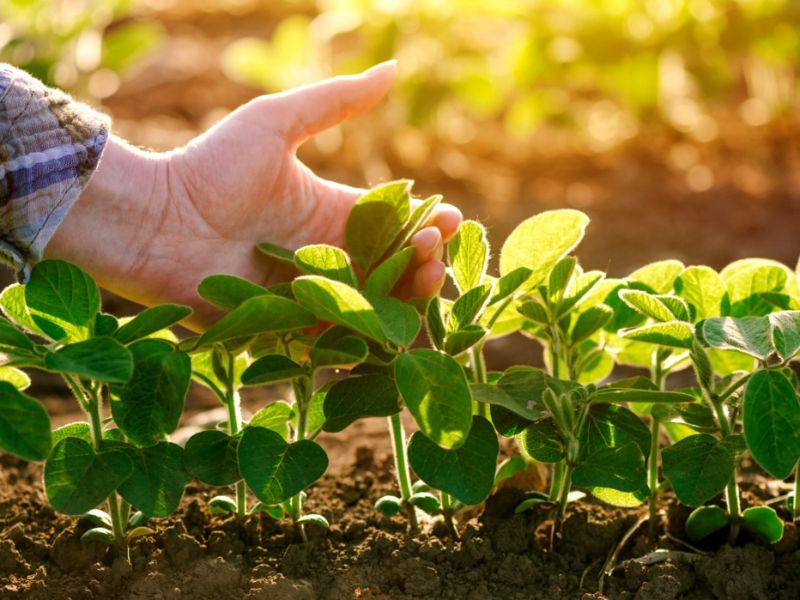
49, 148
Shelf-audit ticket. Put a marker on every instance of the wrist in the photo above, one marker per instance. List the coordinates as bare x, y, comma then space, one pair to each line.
105, 231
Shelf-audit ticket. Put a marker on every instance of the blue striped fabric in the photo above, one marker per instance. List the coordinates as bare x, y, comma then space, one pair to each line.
49, 147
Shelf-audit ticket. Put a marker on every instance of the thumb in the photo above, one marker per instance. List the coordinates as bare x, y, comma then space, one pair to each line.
312, 108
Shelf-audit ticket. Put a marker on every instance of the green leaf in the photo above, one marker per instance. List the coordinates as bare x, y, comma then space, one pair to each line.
19, 379
467, 472
24, 424
771, 417
580, 290
12, 339
338, 303
389, 506
205, 367
619, 468
750, 335
542, 441
274, 416
61, 290
78, 429
434, 323
419, 217
376, 219
621, 499
647, 304
348, 400
534, 311
559, 278
400, 322
271, 369
540, 242
101, 358
510, 283
386, 275
98, 534
785, 327
426, 502
702, 288
674, 334
259, 314
460, 341
98, 517
149, 406
434, 388
77, 479
620, 395
210, 456
590, 321
105, 324
222, 505
12, 300
658, 276
698, 467
705, 520
509, 468
156, 485
747, 280
313, 519
496, 395
336, 347
274, 470
764, 521
327, 261
467, 307
150, 321
468, 253
228, 291
277, 252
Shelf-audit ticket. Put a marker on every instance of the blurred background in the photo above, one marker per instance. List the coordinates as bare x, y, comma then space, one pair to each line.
672, 123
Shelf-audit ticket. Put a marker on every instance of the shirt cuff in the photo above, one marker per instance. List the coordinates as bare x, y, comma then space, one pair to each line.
49, 147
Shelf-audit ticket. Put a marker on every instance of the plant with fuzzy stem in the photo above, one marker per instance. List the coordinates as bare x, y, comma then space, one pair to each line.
55, 324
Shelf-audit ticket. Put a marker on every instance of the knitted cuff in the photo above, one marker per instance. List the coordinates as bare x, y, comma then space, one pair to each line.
49, 147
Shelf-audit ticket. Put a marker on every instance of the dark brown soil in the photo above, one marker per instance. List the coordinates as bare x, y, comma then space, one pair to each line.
364, 555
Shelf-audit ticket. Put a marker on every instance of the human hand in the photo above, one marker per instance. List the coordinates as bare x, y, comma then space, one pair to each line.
160, 223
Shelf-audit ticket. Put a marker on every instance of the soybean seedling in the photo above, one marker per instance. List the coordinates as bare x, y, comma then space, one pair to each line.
717, 348
55, 325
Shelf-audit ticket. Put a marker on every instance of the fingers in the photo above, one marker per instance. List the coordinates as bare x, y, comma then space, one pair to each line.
313, 108
428, 279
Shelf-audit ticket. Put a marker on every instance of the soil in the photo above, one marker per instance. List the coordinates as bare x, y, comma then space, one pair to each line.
366, 555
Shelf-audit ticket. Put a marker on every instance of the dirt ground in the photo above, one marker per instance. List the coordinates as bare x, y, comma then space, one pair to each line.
647, 201
501, 555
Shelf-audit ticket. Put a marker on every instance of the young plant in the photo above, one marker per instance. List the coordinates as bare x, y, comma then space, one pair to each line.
270, 454
55, 324
702, 464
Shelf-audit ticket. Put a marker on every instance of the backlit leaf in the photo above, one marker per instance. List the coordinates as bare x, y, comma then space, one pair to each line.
435, 390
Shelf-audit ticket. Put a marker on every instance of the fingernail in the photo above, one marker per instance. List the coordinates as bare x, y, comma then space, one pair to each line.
384, 66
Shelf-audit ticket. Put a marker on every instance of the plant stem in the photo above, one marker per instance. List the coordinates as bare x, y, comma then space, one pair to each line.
233, 404
555, 351
652, 467
555, 480
447, 513
566, 484
479, 371
732, 489
302, 395
795, 507
401, 463
94, 399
